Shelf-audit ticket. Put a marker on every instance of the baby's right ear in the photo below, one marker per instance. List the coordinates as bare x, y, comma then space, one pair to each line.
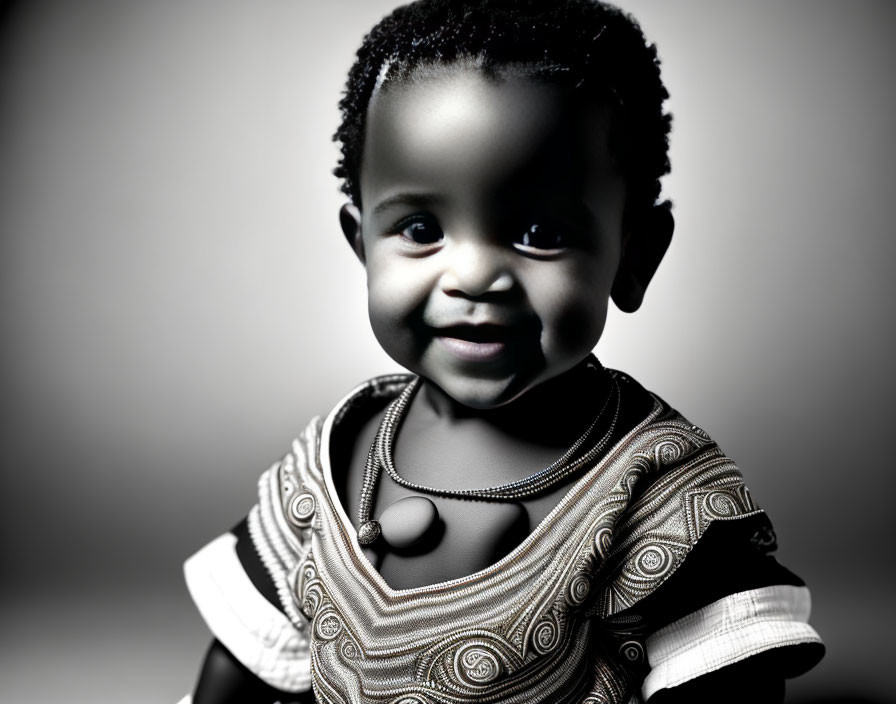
350, 221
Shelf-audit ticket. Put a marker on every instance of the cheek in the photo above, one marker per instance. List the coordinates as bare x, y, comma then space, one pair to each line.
577, 326
385, 284
385, 308
394, 301
573, 315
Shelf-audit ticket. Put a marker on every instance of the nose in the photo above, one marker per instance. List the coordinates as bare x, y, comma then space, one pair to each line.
474, 269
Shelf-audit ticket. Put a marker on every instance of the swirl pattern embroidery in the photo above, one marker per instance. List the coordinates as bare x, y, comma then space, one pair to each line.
532, 633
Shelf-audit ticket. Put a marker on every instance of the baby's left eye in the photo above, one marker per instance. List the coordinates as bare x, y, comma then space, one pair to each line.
541, 238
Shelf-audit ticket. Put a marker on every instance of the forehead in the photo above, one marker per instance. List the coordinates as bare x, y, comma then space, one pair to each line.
453, 126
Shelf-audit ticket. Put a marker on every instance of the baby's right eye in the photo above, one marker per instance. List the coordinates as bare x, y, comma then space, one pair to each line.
419, 229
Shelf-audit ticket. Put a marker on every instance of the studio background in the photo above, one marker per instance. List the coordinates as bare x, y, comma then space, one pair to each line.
178, 301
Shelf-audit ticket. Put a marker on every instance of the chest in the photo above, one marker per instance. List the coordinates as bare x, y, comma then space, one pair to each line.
468, 535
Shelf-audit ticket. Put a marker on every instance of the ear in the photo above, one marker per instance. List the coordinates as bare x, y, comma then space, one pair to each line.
646, 240
350, 221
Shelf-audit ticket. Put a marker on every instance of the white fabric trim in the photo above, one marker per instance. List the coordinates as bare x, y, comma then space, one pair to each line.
186, 700
249, 626
727, 631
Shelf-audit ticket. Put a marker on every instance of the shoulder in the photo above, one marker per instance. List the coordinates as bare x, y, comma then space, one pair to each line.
689, 570
671, 483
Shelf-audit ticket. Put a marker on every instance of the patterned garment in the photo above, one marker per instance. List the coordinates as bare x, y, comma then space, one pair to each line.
653, 569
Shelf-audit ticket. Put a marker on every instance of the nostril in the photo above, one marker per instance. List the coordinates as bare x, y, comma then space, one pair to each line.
500, 286
475, 277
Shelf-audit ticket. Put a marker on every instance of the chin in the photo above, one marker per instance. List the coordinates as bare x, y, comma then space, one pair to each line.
481, 394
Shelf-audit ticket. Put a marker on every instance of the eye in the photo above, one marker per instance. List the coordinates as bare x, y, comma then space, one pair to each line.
419, 229
541, 239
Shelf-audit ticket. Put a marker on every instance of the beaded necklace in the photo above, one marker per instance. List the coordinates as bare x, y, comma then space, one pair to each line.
381, 451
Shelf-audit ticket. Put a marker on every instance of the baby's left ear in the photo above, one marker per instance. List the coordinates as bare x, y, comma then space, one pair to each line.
350, 222
647, 238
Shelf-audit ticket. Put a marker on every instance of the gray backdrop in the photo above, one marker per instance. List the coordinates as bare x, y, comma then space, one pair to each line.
177, 301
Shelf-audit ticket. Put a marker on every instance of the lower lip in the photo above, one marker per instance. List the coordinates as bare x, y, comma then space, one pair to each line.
473, 351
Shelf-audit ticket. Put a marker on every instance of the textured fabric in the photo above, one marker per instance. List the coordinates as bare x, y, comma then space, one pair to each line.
726, 632
730, 557
257, 634
555, 620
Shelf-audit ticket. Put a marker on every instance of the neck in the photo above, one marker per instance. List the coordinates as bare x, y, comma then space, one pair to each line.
554, 411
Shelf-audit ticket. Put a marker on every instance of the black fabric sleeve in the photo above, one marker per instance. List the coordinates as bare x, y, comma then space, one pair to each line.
252, 564
224, 680
732, 556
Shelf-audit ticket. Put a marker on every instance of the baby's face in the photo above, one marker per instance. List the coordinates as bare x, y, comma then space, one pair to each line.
491, 229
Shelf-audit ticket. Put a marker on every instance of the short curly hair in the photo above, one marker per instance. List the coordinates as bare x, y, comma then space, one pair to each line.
584, 44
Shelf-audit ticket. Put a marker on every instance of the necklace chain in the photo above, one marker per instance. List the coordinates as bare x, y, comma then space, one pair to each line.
380, 456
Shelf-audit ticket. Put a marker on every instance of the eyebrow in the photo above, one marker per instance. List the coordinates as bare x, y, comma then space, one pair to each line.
417, 200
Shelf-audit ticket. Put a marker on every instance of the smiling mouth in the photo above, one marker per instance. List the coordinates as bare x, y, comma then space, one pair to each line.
476, 343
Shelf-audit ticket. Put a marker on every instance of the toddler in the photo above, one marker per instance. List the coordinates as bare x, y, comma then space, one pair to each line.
510, 521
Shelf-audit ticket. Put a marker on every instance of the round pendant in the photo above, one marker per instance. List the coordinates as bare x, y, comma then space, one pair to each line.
409, 522
369, 532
